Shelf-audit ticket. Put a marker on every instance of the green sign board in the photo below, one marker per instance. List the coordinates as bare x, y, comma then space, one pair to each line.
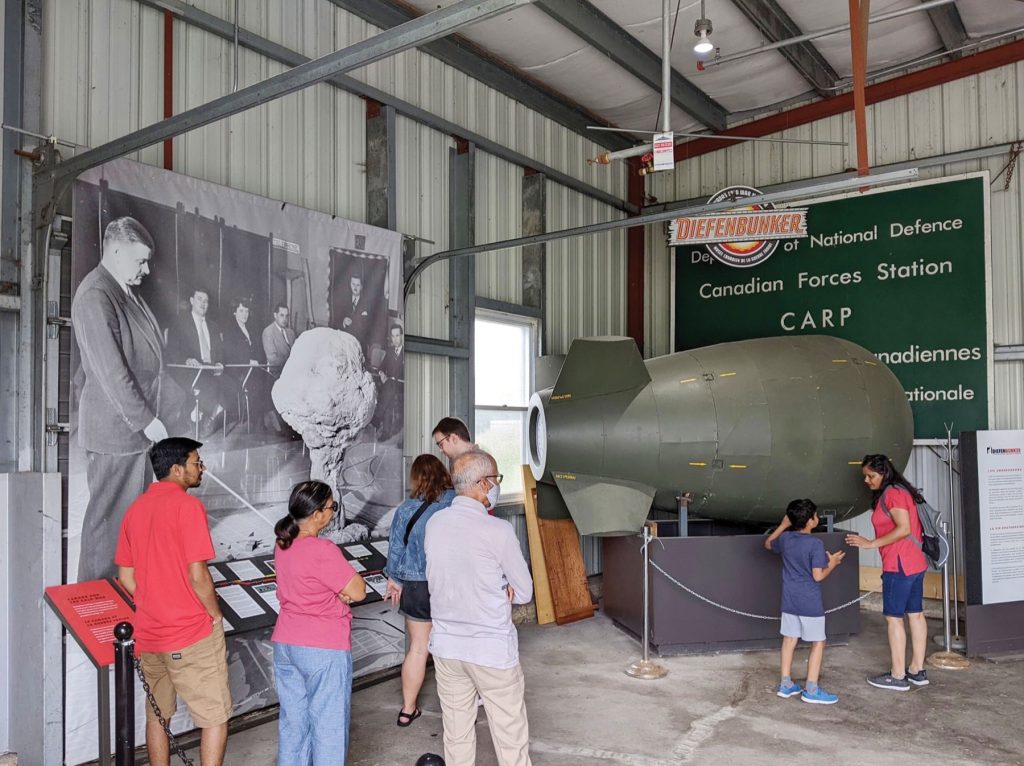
901, 272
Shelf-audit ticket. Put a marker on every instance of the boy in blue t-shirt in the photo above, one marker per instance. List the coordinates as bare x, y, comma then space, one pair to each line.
804, 565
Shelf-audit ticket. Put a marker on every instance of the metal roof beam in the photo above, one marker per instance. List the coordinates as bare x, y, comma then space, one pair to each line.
776, 25
409, 35
214, 25
947, 22
587, 22
492, 73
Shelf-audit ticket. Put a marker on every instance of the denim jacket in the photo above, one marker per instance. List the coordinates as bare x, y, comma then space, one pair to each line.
409, 562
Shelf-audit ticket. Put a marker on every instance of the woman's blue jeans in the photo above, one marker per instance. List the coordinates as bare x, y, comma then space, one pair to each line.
314, 689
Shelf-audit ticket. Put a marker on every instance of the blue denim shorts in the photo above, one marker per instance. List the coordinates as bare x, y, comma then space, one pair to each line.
902, 594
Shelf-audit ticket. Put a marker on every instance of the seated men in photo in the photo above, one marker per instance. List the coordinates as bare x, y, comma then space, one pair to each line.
196, 342
278, 338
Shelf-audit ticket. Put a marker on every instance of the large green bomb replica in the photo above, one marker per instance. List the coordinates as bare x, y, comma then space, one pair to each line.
742, 427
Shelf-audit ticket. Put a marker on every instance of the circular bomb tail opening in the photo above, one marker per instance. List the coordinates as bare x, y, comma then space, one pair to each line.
537, 437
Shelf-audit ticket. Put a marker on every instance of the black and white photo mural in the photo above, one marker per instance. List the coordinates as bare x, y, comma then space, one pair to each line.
271, 333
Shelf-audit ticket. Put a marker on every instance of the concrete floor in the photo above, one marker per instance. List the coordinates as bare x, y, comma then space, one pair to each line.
708, 710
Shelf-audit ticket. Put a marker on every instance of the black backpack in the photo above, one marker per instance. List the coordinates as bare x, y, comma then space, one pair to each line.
934, 543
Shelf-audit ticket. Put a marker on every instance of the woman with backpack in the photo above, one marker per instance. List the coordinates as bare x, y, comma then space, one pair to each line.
898, 538
430, 490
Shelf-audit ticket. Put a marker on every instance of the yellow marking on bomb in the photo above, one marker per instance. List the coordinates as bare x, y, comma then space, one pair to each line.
689, 380
840, 361
726, 374
561, 397
698, 465
736, 465
566, 476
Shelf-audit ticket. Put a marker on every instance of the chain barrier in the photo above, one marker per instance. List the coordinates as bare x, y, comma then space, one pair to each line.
164, 723
740, 612
1014, 155
1015, 149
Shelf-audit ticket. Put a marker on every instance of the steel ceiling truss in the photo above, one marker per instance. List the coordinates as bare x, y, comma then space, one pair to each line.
775, 24
596, 29
492, 72
947, 22
412, 34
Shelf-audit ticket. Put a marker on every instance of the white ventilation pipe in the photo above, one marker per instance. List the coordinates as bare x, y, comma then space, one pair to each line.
820, 33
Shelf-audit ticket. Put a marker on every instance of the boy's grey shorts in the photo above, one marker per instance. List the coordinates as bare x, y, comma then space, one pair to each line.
807, 628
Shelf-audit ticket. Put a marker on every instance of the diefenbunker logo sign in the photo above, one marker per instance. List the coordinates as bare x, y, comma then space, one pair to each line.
740, 238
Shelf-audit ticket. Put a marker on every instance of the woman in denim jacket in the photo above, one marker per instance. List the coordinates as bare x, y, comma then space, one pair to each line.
430, 490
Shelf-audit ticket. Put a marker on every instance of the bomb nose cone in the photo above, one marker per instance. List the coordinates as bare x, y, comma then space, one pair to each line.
537, 432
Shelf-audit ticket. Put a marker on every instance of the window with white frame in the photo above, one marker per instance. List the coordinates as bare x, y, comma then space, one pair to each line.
504, 350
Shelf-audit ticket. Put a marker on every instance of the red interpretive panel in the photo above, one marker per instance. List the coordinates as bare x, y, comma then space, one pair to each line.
90, 610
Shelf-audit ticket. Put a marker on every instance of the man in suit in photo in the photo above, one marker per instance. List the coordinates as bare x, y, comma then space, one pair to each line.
390, 401
357, 319
123, 400
196, 341
242, 347
278, 338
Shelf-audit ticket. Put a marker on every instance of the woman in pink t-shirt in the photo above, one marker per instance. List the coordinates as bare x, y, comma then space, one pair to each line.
898, 539
313, 635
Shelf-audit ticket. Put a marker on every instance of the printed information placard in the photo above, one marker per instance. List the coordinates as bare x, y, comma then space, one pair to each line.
1001, 515
90, 610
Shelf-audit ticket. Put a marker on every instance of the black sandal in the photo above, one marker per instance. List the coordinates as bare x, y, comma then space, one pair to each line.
404, 719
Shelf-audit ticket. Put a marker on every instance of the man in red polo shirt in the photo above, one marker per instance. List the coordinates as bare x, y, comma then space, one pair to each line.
161, 562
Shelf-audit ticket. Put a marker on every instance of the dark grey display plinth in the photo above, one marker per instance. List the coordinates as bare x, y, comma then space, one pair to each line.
735, 571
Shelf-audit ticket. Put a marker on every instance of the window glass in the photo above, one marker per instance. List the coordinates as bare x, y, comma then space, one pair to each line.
503, 358
502, 363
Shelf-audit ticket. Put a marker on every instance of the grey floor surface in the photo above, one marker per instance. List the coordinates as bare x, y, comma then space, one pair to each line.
709, 710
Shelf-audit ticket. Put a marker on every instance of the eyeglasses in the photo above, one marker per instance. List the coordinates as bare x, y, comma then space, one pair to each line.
442, 440
330, 508
199, 463
495, 479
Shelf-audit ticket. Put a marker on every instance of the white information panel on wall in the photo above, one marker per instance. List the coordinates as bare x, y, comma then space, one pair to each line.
1001, 515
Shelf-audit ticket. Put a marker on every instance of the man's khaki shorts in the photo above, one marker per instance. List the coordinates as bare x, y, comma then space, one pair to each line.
199, 673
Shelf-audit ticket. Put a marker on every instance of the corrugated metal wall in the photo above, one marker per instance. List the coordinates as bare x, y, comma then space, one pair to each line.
499, 215
422, 205
586, 288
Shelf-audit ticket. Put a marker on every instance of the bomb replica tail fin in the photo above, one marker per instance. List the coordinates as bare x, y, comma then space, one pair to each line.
600, 366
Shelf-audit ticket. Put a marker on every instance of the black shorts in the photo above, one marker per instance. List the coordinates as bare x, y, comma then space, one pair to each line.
415, 601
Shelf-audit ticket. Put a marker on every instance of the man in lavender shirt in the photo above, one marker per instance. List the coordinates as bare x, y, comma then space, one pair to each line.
475, 572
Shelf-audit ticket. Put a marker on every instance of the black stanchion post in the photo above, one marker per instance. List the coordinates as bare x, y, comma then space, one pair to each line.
124, 695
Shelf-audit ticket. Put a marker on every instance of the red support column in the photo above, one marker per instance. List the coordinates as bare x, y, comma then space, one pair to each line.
859, 10
168, 85
635, 260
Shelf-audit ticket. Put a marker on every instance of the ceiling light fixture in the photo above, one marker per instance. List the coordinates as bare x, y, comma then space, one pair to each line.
701, 30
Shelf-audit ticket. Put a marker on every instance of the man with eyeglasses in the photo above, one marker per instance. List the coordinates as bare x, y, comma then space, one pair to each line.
451, 436
162, 555
475, 572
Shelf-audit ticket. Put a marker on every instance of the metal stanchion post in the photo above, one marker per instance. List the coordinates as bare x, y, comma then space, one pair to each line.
947, 659
124, 695
956, 642
644, 668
